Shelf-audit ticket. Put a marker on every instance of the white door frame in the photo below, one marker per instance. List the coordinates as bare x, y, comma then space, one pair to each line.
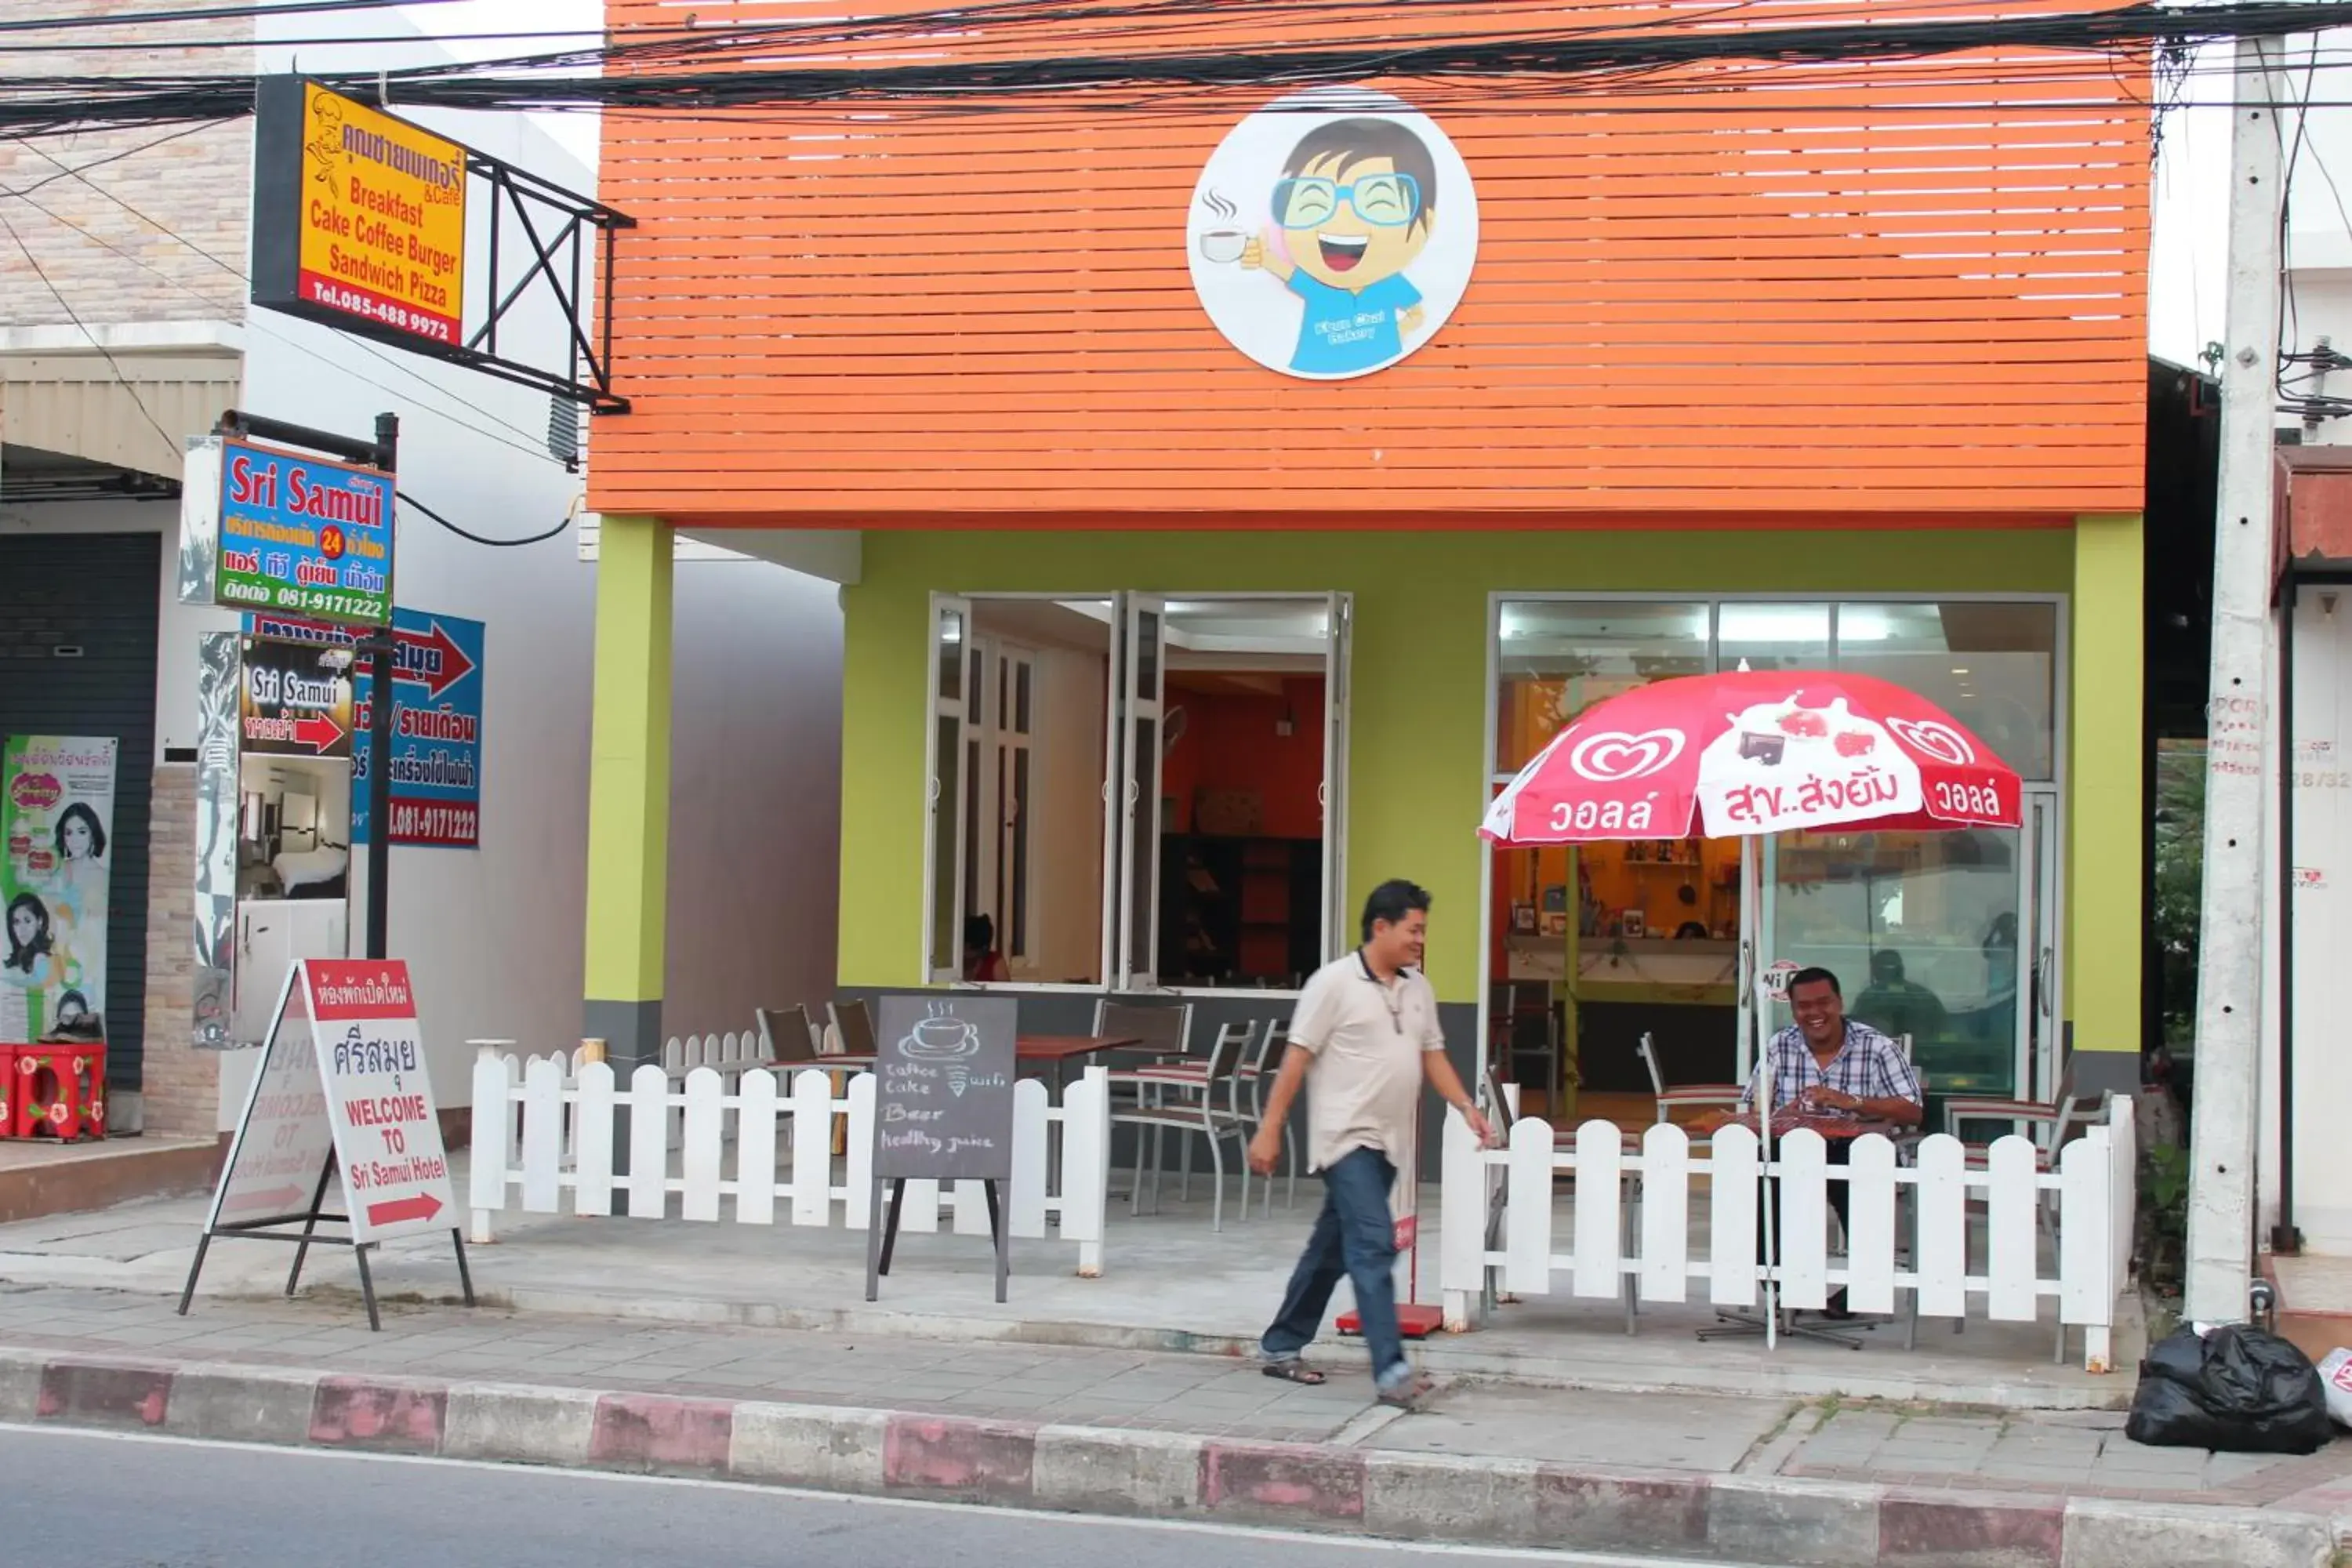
944, 706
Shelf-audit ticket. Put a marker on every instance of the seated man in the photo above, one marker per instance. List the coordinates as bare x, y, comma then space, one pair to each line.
1825, 1061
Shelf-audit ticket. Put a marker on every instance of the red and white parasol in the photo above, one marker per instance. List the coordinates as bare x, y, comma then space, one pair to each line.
1747, 754
1756, 752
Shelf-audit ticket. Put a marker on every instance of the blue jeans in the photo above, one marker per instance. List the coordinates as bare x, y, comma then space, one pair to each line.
1354, 1236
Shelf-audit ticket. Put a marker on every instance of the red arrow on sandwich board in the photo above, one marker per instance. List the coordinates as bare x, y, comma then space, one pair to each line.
318, 733
391, 1211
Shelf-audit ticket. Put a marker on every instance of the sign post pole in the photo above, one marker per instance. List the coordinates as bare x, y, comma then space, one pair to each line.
385, 646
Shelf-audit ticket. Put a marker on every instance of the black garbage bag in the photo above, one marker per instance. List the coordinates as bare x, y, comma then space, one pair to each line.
2235, 1389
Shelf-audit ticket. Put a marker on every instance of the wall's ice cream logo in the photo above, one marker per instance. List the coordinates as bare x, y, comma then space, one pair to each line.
946, 1041
1332, 234
1934, 739
1612, 756
1782, 765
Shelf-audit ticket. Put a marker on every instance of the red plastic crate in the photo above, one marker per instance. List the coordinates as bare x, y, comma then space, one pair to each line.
55, 1091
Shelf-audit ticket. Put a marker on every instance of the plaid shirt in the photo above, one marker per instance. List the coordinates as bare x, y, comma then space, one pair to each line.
1869, 1065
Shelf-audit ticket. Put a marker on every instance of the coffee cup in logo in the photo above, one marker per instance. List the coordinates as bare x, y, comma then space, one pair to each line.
1332, 233
1223, 246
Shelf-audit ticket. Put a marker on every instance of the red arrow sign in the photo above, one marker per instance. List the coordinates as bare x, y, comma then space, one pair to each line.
391, 1211
318, 733
417, 663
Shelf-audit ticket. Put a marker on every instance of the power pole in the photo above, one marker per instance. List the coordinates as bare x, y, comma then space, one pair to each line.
2230, 940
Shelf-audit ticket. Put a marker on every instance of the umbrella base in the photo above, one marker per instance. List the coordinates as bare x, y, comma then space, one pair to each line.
1415, 1320
1745, 1325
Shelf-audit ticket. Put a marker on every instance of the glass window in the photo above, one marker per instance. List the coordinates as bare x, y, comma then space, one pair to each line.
1921, 930
1558, 658
1772, 637
1990, 665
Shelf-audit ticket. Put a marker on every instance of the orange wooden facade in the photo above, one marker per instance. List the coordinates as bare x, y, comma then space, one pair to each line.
1804, 294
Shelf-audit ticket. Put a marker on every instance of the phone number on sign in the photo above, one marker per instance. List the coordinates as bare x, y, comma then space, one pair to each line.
384, 311
422, 823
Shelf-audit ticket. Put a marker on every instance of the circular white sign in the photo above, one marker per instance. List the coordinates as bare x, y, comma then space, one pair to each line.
1332, 233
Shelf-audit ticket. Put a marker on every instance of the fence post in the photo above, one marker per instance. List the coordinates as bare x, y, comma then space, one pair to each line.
592, 1123
2086, 1293
1665, 1213
649, 1143
1085, 1167
1600, 1199
1461, 1222
490, 1148
1527, 1211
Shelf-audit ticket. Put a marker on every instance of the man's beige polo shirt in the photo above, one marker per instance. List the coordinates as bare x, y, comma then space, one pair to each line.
1367, 1040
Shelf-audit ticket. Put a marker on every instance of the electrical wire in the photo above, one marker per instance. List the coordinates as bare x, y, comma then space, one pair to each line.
240, 274
202, 13
2071, 46
407, 500
67, 306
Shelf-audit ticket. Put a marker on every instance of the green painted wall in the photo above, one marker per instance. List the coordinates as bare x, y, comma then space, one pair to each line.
2105, 920
1417, 781
629, 762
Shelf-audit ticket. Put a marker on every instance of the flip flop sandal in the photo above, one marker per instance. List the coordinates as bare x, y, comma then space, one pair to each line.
1411, 1394
1297, 1371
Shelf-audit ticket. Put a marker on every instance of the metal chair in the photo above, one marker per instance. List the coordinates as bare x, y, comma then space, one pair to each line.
853, 1027
1153, 1083
786, 1035
1512, 1008
1164, 1031
1684, 1096
1196, 1112
1261, 1066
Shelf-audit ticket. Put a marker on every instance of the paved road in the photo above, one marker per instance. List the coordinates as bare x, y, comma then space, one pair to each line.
96, 1501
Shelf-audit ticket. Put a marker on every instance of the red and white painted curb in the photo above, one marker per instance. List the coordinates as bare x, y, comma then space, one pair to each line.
1107, 1470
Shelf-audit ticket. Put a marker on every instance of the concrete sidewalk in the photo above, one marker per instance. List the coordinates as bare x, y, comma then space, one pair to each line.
1170, 1283
1724, 1477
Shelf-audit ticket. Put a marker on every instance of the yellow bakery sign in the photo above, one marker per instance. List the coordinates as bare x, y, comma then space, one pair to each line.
380, 215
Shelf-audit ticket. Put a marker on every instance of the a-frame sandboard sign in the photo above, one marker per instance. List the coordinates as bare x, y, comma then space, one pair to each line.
342, 1087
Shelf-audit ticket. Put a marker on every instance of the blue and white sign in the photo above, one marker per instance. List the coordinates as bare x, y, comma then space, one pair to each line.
303, 536
436, 725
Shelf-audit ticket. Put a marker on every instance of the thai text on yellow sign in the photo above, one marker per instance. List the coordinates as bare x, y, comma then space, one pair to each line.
382, 217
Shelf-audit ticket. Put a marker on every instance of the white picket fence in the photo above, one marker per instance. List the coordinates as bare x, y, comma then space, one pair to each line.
546, 1128
1635, 1213
729, 1054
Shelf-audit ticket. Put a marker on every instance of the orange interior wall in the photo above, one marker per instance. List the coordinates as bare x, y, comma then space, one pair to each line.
1230, 743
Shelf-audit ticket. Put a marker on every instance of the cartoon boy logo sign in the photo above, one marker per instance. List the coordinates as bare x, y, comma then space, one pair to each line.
1332, 234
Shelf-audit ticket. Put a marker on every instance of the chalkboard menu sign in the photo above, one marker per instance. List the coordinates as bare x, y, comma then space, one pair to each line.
943, 1074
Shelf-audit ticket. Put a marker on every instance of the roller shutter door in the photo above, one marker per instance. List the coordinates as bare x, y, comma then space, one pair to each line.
78, 658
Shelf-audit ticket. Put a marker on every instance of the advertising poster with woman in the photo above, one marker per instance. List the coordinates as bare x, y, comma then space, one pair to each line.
57, 813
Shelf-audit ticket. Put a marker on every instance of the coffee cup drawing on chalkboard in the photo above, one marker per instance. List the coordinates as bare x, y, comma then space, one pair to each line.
944, 1038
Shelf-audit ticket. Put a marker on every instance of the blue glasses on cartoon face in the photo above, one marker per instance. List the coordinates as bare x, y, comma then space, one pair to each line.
1384, 201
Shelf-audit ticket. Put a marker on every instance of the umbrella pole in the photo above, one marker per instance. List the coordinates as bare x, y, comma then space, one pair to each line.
1752, 898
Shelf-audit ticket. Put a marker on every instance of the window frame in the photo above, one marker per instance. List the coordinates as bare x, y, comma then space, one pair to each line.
2062, 667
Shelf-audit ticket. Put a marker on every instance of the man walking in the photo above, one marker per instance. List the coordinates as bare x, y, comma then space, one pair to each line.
1364, 1039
